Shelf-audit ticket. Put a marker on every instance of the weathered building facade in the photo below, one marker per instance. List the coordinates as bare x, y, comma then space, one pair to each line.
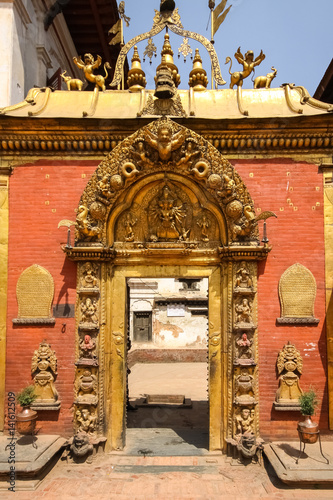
173, 186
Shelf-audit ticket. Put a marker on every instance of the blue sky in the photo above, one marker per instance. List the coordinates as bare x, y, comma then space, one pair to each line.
295, 35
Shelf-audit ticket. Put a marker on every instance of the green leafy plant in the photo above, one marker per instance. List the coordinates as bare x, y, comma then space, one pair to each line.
308, 402
27, 396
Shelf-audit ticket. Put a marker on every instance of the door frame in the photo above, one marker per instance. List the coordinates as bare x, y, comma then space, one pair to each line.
115, 346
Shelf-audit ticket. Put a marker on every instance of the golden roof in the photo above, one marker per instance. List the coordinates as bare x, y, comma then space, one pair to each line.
286, 101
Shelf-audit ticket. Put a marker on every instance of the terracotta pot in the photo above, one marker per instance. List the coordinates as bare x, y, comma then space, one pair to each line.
26, 421
308, 430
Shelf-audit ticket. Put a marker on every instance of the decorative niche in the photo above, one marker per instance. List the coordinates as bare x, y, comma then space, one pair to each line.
297, 292
34, 292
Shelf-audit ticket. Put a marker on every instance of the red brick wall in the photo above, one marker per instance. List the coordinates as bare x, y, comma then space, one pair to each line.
44, 193
297, 235
41, 195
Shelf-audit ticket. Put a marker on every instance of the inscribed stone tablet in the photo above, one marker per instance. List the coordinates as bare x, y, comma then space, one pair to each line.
297, 291
35, 290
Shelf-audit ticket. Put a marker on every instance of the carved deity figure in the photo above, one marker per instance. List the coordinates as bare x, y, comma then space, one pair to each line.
244, 389
190, 153
89, 65
86, 421
167, 214
204, 224
243, 279
165, 141
89, 272
141, 155
44, 368
244, 422
248, 62
129, 222
243, 312
244, 349
87, 346
289, 361
89, 311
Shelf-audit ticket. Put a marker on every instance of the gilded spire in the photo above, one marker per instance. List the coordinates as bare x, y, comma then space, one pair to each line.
198, 76
167, 60
136, 76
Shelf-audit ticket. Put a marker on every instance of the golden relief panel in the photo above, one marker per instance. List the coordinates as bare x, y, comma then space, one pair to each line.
166, 213
164, 147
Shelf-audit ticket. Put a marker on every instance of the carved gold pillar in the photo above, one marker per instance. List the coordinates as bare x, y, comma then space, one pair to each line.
328, 214
5, 171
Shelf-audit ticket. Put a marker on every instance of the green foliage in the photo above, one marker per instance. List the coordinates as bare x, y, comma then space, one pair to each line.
308, 401
26, 396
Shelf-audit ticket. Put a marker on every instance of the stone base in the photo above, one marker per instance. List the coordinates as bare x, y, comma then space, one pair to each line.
46, 406
287, 320
311, 469
290, 406
34, 457
163, 401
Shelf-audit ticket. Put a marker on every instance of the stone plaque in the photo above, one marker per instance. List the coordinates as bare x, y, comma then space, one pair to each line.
34, 291
297, 291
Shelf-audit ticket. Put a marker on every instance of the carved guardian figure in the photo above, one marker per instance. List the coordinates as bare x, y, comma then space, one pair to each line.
248, 62
89, 65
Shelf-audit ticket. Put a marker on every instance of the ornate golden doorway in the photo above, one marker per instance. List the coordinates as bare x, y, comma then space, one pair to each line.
165, 203
115, 347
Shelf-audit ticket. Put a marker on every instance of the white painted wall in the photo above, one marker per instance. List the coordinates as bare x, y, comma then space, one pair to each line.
30, 54
173, 326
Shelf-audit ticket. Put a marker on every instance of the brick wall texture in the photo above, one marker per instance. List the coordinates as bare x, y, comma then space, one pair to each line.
45, 192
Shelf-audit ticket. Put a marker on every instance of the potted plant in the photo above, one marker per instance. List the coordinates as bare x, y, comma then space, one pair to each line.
307, 429
26, 419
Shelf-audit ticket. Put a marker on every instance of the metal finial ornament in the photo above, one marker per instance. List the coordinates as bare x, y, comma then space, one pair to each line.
185, 49
136, 80
150, 50
167, 5
198, 76
172, 21
121, 10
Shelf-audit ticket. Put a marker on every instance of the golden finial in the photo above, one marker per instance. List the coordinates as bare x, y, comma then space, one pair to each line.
198, 76
136, 76
167, 59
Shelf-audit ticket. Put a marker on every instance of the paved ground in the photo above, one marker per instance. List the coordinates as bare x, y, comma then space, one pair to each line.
186, 470
171, 478
189, 379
